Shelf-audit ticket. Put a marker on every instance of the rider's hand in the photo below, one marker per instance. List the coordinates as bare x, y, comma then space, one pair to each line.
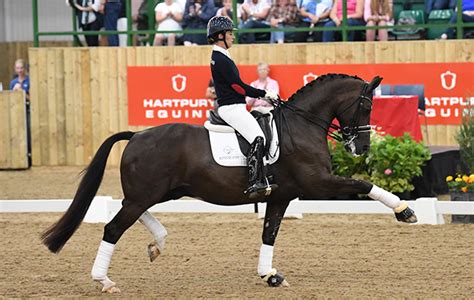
271, 95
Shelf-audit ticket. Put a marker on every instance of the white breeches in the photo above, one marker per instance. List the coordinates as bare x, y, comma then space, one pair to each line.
237, 116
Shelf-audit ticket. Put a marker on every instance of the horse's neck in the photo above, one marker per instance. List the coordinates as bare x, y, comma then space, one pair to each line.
320, 101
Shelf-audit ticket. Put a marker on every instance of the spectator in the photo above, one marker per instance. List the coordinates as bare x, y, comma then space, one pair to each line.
168, 14
264, 82
226, 10
378, 12
355, 14
90, 19
467, 17
196, 15
122, 24
254, 15
211, 90
112, 13
313, 13
283, 14
22, 82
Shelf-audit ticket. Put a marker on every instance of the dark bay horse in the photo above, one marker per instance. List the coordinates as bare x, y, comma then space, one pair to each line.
174, 160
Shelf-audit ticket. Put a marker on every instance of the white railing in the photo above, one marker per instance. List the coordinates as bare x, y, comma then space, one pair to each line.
103, 209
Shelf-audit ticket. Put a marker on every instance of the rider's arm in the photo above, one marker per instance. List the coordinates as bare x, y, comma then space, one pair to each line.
239, 86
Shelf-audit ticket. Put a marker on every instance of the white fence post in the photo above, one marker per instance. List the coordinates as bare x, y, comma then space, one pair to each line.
426, 211
99, 210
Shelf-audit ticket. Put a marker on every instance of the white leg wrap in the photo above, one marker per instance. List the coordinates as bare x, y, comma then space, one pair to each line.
102, 261
385, 197
155, 227
265, 260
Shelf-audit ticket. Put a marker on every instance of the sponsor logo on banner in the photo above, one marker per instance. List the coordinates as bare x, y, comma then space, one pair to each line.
159, 95
448, 80
178, 83
308, 78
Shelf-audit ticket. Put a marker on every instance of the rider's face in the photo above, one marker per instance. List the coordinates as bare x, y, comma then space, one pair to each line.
229, 38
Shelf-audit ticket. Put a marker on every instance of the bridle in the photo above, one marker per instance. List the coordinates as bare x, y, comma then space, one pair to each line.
346, 134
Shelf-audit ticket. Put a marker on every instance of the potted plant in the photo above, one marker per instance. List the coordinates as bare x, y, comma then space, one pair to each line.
391, 163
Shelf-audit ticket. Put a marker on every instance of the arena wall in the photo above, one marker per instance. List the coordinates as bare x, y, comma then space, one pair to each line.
13, 152
79, 95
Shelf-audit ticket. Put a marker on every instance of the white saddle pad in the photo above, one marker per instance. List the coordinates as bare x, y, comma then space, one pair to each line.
225, 146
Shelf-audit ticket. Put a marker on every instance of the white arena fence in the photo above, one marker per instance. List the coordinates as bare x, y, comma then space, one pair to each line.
104, 208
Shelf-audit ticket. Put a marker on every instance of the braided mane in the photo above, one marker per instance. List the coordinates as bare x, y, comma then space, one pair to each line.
320, 79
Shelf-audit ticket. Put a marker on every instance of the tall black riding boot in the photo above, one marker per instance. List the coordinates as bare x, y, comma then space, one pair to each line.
258, 183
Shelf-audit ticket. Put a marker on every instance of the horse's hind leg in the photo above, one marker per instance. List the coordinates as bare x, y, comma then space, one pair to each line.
128, 214
158, 231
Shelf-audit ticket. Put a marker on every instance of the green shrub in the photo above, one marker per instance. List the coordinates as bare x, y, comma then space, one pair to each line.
391, 162
465, 138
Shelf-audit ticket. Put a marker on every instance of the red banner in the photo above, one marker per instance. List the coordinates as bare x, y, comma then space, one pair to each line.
159, 95
403, 116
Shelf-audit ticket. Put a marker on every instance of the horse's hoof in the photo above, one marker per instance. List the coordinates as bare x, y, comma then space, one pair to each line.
112, 290
275, 279
405, 214
153, 251
108, 286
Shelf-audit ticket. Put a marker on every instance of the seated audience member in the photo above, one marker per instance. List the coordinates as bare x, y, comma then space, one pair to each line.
226, 10
467, 17
196, 15
263, 82
90, 19
254, 15
168, 14
355, 17
377, 12
283, 14
313, 13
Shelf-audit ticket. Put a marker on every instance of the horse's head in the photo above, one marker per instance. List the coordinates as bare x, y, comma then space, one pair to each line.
354, 118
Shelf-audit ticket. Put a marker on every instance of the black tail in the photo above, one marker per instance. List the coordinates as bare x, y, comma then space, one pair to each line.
58, 234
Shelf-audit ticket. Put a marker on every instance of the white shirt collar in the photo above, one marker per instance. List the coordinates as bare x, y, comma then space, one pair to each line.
221, 50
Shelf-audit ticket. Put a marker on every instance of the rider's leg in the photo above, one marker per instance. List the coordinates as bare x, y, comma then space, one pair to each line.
237, 116
240, 119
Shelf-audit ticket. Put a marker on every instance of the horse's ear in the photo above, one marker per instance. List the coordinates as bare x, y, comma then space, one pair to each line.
375, 83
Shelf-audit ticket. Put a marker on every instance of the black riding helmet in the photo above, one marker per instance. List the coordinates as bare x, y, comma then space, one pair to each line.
218, 25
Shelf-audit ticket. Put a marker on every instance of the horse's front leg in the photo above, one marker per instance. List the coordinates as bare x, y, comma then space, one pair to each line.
347, 186
273, 216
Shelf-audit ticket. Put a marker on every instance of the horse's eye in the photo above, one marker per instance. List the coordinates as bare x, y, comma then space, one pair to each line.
366, 105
